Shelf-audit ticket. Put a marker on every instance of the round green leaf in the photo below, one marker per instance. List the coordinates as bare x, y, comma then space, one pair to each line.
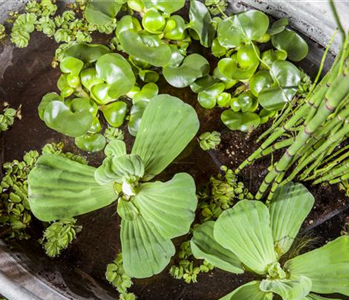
88, 53
291, 42
166, 6
100, 93
240, 121
153, 21
102, 12
193, 67
115, 113
244, 27
201, 22
46, 100
208, 98
176, 32
132, 43
260, 81
83, 104
71, 65
278, 26
59, 117
247, 102
288, 77
89, 78
117, 72
91, 142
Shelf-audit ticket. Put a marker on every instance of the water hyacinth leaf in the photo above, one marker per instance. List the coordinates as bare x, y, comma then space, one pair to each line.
240, 121
100, 93
88, 53
179, 31
132, 43
115, 113
145, 251
208, 98
167, 127
140, 101
288, 77
153, 21
102, 12
244, 27
82, 104
217, 49
204, 246
327, 267
91, 142
260, 81
289, 207
170, 206
229, 68
201, 22
89, 78
117, 72
59, 117
46, 100
194, 66
245, 230
248, 291
247, 102
291, 289
166, 6
278, 26
61, 188
270, 56
203, 83
129, 168
71, 65
115, 148
291, 42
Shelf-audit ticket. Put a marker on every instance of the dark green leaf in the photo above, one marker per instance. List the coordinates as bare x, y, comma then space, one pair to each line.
240, 121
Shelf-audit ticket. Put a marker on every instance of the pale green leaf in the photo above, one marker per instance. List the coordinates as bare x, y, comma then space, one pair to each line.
129, 168
61, 188
204, 246
115, 148
245, 230
170, 206
290, 289
145, 251
289, 207
248, 291
167, 127
327, 267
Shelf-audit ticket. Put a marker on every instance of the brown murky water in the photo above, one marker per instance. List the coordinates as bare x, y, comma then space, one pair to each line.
25, 76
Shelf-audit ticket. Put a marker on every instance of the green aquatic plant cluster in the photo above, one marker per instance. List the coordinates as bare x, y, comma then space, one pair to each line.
221, 193
117, 276
58, 235
8, 116
15, 212
146, 232
42, 16
317, 126
254, 237
209, 140
2, 32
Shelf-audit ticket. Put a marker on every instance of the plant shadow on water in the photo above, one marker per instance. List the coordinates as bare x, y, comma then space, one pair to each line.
27, 77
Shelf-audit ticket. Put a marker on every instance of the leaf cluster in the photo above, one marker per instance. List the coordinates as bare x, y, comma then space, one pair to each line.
58, 235
7, 118
117, 276
209, 140
252, 236
146, 231
221, 193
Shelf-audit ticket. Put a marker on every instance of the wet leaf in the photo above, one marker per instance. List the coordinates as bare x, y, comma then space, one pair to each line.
240, 121
201, 22
291, 42
91, 142
194, 66
242, 28
115, 113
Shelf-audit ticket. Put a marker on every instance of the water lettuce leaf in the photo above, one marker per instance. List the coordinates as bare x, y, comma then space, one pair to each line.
61, 188
204, 246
